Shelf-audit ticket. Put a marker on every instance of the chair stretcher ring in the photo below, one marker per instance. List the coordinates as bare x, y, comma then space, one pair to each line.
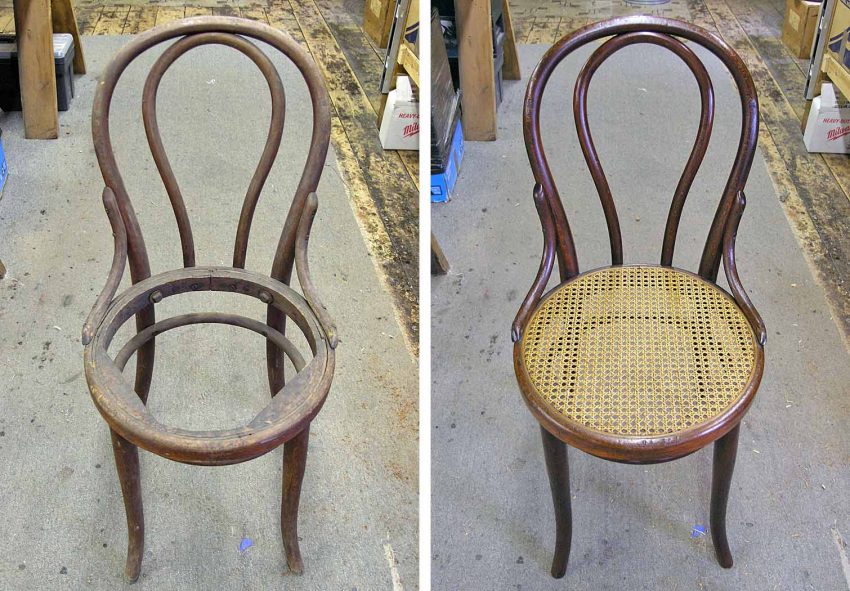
289, 410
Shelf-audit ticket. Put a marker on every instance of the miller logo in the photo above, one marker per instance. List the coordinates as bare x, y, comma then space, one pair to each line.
838, 132
413, 129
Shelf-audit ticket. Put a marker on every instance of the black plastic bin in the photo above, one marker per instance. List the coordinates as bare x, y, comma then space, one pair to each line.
10, 87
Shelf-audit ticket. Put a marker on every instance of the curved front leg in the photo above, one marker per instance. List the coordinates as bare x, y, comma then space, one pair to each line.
294, 465
725, 452
127, 463
558, 467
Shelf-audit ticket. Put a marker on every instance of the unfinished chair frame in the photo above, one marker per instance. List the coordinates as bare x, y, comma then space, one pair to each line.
294, 404
558, 430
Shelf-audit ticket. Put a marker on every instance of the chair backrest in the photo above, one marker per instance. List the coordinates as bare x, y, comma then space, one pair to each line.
624, 32
234, 33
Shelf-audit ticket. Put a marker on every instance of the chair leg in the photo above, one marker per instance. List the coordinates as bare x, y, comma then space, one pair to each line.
294, 463
555, 452
145, 356
127, 462
725, 451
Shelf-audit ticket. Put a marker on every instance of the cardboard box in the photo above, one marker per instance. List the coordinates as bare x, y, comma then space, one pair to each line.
798, 30
839, 29
400, 123
377, 20
828, 125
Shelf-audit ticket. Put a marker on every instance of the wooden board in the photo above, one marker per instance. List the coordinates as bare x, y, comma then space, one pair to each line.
65, 21
7, 19
477, 78
112, 20
37, 69
139, 19
510, 71
837, 73
439, 262
377, 20
407, 59
169, 14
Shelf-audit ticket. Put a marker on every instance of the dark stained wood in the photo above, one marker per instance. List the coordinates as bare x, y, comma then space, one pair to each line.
725, 452
557, 429
557, 465
286, 418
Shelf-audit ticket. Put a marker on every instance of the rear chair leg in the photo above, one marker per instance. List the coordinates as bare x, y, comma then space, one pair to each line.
725, 451
294, 463
127, 463
555, 452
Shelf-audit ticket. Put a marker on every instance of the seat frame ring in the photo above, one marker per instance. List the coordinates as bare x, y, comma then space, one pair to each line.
290, 409
635, 449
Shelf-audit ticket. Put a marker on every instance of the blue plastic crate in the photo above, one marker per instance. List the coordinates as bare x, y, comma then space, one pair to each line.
4, 168
443, 183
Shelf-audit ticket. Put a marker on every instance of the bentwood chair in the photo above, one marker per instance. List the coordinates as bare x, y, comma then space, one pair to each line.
640, 363
286, 419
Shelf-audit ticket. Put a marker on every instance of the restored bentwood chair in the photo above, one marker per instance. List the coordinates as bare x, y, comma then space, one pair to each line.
286, 419
646, 363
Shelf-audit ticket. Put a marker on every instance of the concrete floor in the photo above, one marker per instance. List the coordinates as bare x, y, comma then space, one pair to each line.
63, 521
492, 514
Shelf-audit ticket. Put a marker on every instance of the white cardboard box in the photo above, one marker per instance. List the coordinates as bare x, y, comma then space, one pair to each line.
400, 123
828, 126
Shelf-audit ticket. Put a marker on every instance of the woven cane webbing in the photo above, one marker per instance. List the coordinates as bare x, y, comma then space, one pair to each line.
642, 351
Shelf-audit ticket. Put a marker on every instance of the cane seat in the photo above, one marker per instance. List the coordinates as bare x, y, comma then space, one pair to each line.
644, 352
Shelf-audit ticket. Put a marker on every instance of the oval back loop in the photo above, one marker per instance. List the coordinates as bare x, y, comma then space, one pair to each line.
623, 32
235, 33
588, 148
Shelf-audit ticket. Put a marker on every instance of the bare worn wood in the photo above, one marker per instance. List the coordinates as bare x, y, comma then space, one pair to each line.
36, 69
112, 20
7, 19
439, 262
511, 69
65, 21
294, 466
477, 78
293, 405
129, 476
139, 19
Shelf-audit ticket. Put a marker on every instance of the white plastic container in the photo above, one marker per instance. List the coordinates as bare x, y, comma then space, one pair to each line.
828, 125
400, 123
